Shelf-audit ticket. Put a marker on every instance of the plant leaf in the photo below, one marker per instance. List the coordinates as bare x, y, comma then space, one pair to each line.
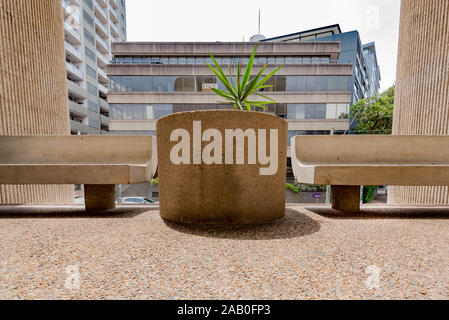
248, 69
250, 89
267, 77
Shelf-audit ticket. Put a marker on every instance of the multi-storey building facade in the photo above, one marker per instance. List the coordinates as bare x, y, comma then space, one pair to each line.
365, 76
90, 26
150, 80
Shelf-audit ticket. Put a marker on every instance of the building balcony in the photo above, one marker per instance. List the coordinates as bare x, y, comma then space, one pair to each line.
114, 30
100, 13
113, 4
71, 34
104, 120
101, 30
72, 53
113, 14
104, 105
102, 88
76, 90
102, 60
76, 73
78, 109
70, 9
101, 44
102, 3
102, 76
82, 128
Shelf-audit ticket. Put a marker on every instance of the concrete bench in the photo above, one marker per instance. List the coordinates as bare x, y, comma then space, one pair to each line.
347, 162
98, 162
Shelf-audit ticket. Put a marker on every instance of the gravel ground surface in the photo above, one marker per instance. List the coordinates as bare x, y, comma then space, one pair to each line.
309, 254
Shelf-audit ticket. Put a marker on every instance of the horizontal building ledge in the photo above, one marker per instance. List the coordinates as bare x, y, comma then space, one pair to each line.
302, 125
211, 98
225, 48
315, 69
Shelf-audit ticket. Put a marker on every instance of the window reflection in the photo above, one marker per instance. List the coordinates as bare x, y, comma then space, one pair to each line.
206, 83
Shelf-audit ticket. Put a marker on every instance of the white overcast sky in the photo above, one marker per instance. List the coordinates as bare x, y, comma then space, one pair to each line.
233, 20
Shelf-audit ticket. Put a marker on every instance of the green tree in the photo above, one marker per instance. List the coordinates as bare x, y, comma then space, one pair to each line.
374, 115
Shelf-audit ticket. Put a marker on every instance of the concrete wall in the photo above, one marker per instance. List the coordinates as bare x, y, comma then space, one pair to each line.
224, 48
33, 89
422, 85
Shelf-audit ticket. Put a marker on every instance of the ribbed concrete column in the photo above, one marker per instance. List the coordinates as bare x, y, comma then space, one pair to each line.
422, 85
33, 89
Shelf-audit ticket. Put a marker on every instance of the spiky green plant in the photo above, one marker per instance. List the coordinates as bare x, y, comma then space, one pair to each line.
239, 93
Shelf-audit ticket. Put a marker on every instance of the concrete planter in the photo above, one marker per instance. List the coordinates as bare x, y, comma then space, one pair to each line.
207, 175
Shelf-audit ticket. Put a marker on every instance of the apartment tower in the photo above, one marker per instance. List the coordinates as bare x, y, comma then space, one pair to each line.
90, 26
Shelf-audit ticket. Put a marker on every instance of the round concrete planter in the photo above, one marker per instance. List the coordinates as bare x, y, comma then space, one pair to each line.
195, 189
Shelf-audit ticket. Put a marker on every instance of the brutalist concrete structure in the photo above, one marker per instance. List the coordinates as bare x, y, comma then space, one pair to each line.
422, 85
33, 89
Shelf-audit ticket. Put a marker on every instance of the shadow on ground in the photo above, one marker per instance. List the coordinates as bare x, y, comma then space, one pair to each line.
294, 224
58, 212
391, 212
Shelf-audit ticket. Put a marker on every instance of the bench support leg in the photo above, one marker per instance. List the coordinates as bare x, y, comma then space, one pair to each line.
346, 198
99, 197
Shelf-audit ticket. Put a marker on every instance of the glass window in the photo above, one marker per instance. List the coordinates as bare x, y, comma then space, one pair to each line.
190, 60
115, 83
182, 60
89, 36
189, 84
307, 60
297, 60
271, 60
199, 60
92, 105
164, 60
206, 83
146, 83
291, 83
172, 60
261, 60
331, 111
91, 72
90, 54
291, 111
280, 83
288, 60
342, 110
92, 89
316, 59
88, 18
161, 110
280, 60
136, 84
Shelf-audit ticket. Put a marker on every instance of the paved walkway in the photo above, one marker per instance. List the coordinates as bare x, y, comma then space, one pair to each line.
133, 254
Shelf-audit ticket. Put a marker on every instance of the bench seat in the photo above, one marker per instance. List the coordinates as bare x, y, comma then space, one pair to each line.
357, 160
97, 161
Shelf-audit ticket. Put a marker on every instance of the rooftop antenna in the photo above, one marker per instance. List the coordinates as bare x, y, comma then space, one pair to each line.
257, 37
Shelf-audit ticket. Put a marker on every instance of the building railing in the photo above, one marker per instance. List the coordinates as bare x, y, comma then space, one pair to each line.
73, 50
102, 88
74, 31
102, 42
102, 73
101, 26
104, 60
70, 67
101, 10
114, 28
